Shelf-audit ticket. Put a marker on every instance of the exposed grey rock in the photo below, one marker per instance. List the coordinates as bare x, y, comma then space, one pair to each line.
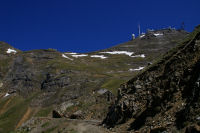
174, 84
138, 86
77, 115
52, 84
61, 110
105, 94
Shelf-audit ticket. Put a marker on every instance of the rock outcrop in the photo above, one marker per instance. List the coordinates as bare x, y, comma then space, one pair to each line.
166, 96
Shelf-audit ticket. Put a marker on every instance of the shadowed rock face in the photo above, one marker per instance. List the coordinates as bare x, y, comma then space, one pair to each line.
164, 97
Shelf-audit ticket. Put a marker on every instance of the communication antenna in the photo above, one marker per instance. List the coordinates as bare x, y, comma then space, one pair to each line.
139, 29
182, 26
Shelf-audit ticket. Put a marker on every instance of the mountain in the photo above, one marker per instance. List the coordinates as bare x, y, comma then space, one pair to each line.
165, 96
41, 84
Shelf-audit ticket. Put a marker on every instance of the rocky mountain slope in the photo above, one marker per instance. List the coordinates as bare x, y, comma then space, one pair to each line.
165, 97
48, 83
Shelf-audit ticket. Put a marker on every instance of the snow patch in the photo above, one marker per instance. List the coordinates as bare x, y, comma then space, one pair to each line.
142, 35
98, 56
79, 55
124, 52
102, 91
64, 56
158, 34
7, 94
137, 69
119, 52
71, 53
11, 51
142, 56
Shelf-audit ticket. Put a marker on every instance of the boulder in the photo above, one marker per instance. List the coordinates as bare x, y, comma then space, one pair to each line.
77, 115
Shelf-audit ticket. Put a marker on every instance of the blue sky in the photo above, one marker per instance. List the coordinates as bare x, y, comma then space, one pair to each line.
88, 25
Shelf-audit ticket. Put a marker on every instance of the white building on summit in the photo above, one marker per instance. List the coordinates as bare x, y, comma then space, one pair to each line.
133, 36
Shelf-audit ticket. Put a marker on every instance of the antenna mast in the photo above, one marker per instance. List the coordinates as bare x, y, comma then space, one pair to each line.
139, 29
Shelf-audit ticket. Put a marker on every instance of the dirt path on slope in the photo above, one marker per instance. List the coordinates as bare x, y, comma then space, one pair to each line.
24, 118
5, 106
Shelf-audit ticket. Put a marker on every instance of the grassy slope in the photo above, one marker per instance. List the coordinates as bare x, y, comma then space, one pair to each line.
12, 113
113, 71
95, 69
13, 110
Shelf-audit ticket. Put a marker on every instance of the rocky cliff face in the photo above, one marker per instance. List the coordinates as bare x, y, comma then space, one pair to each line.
164, 97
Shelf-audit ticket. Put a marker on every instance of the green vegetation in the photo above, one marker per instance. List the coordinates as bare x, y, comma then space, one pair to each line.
3, 102
45, 125
13, 109
13, 114
72, 131
4, 65
112, 85
44, 112
50, 129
